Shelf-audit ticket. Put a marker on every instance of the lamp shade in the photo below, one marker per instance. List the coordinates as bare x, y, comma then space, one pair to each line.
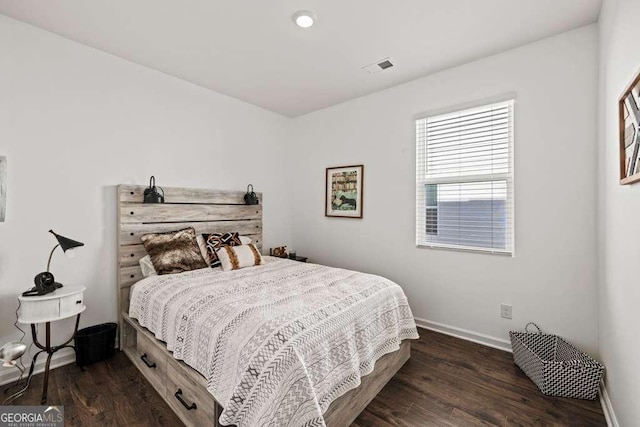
65, 242
11, 351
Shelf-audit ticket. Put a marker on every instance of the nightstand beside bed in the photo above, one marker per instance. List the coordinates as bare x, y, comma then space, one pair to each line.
63, 303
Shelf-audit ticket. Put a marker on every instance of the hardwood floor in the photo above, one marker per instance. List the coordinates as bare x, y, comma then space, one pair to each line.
111, 393
452, 382
447, 382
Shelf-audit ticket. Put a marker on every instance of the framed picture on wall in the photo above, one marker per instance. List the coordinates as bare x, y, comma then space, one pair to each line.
3, 188
629, 111
343, 197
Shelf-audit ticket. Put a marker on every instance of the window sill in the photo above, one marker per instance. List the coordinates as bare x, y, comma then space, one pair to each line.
466, 249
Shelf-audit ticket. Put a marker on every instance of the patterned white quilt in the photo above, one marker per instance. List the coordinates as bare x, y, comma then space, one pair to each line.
277, 343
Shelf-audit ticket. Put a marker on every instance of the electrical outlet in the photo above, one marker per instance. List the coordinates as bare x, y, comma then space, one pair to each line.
506, 311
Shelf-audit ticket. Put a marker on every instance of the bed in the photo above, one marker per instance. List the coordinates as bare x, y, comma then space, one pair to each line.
285, 343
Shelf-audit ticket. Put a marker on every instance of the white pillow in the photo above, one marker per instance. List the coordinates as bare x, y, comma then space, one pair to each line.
147, 266
236, 257
203, 248
245, 240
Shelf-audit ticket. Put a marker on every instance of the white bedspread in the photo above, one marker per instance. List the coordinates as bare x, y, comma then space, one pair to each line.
277, 343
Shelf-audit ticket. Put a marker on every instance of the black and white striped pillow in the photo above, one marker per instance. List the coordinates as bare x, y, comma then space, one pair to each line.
215, 241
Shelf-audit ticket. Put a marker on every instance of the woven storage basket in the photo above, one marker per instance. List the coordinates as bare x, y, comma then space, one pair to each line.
554, 365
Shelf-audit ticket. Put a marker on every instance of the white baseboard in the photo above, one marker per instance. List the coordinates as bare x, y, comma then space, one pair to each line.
64, 357
607, 408
476, 337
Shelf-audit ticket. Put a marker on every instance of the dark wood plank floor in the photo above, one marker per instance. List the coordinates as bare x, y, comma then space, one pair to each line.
447, 382
452, 382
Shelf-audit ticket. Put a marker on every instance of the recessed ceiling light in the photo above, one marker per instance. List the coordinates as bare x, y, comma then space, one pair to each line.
304, 18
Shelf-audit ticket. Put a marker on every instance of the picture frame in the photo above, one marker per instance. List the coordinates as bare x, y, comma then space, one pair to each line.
629, 127
344, 191
280, 252
3, 188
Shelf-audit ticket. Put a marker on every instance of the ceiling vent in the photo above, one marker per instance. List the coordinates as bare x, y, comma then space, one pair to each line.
378, 66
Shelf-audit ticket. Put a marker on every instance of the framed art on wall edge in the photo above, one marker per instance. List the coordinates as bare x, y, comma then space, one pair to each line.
629, 116
3, 188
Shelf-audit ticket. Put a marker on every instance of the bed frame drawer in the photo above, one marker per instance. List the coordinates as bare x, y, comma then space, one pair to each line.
194, 406
151, 362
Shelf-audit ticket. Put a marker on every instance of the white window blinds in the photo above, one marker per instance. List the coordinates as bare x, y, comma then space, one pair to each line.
464, 179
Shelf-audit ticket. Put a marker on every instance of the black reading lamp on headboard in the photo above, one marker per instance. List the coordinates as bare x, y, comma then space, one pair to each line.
251, 198
151, 193
45, 282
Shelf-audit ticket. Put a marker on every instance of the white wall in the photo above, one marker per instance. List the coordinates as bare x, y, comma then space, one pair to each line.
552, 278
619, 295
75, 122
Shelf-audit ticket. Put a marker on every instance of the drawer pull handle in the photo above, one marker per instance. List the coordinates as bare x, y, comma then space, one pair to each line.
146, 361
178, 396
79, 302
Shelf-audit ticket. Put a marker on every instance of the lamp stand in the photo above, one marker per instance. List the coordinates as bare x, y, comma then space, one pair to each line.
51, 255
47, 348
20, 392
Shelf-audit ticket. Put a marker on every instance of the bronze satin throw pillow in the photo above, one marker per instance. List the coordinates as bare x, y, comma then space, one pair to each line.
174, 252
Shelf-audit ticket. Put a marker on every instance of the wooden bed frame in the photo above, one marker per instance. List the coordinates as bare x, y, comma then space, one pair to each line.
182, 387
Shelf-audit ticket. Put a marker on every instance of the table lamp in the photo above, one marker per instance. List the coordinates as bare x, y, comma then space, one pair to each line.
45, 282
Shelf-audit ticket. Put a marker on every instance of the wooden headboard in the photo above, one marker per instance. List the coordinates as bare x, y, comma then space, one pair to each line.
207, 211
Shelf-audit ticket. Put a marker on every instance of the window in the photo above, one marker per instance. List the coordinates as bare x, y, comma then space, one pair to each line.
464, 179
431, 207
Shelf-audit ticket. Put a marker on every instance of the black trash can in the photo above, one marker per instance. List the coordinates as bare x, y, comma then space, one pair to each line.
95, 343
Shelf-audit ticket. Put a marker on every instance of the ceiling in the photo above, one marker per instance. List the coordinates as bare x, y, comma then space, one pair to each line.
251, 50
